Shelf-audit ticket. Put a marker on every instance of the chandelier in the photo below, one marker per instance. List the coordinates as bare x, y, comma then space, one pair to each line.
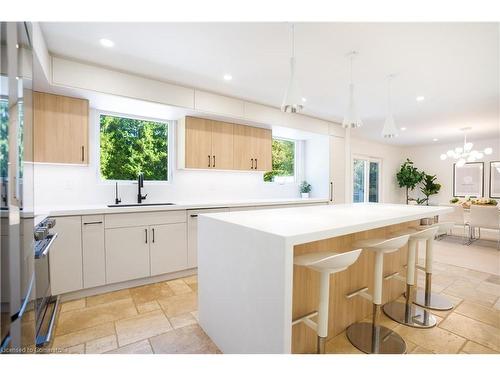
466, 154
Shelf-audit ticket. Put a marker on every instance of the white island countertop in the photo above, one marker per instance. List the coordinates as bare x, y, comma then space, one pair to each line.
307, 224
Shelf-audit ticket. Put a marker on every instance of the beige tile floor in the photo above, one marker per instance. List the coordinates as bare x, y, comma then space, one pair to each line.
162, 317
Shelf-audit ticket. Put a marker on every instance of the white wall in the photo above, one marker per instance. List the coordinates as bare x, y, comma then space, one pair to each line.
391, 157
69, 185
427, 159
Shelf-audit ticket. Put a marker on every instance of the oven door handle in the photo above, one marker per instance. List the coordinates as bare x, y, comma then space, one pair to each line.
47, 248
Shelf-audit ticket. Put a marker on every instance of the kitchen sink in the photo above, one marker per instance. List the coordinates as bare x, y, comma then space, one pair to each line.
140, 204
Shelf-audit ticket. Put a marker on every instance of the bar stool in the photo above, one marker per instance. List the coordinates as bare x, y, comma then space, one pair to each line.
372, 337
407, 313
426, 298
326, 263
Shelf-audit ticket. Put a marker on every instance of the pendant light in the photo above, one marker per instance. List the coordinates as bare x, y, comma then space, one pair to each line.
389, 130
292, 102
351, 118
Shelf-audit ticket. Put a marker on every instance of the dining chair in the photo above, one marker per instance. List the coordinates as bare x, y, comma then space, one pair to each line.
486, 217
457, 216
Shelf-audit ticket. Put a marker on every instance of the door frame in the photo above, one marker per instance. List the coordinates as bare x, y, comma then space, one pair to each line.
368, 159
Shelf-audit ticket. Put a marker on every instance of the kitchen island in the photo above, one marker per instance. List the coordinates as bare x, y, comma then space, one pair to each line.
250, 291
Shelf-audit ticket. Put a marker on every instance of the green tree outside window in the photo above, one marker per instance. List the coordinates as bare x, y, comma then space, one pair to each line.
283, 159
131, 146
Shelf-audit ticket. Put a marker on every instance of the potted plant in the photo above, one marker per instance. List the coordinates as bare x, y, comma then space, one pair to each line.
409, 177
305, 189
430, 187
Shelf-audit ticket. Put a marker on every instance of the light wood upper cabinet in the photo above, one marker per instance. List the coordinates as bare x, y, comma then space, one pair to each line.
60, 132
211, 144
198, 143
222, 145
252, 148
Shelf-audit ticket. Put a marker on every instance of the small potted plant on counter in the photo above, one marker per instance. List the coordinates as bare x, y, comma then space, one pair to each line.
305, 189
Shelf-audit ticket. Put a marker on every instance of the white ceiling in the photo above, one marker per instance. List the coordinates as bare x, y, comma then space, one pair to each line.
454, 65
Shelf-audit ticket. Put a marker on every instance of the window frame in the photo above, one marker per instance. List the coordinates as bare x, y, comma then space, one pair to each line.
171, 124
298, 153
366, 193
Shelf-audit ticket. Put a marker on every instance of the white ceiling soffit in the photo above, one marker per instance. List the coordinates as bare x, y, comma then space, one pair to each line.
455, 66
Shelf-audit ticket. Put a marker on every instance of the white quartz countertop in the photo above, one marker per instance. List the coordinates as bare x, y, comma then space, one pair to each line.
306, 224
179, 205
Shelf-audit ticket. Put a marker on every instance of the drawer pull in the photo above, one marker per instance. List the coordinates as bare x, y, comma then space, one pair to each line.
93, 222
193, 215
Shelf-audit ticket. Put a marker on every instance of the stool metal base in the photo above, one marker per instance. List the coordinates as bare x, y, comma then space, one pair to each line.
376, 340
409, 315
432, 301
321, 345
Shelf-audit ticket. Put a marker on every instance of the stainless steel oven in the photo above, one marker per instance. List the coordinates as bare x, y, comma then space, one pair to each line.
45, 303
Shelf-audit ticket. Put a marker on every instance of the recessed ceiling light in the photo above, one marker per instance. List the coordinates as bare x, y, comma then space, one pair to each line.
435, 139
106, 42
228, 77
402, 129
304, 100
420, 98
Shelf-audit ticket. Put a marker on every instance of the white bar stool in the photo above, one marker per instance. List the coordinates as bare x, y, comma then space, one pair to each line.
407, 313
326, 263
372, 337
426, 298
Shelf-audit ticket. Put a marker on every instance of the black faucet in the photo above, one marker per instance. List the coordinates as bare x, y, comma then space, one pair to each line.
117, 200
140, 184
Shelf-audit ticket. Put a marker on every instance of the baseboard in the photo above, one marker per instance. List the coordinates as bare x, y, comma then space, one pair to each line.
125, 284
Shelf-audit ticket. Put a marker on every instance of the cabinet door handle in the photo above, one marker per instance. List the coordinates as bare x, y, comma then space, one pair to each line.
252, 164
153, 230
83, 153
213, 165
92, 222
208, 161
146, 232
255, 163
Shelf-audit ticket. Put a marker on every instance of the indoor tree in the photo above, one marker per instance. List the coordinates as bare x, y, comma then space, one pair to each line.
409, 177
429, 187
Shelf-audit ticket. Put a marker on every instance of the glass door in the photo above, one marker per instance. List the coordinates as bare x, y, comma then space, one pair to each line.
366, 180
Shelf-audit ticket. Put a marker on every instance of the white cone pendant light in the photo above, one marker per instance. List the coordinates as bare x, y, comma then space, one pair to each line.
389, 130
351, 118
292, 102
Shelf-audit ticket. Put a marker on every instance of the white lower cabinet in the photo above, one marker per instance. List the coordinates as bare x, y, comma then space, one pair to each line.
192, 241
127, 253
168, 248
65, 256
94, 255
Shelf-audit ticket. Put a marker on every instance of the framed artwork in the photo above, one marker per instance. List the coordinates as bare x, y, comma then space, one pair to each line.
468, 180
494, 179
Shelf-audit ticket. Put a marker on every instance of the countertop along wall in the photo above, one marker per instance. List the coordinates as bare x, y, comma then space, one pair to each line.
428, 159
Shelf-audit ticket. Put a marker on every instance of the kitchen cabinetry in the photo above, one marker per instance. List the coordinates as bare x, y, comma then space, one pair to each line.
60, 129
211, 144
65, 256
252, 148
127, 253
94, 256
145, 244
168, 248
208, 144
192, 239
